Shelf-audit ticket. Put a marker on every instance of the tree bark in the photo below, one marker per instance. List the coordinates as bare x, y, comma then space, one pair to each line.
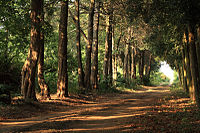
116, 54
184, 70
94, 74
110, 47
89, 46
188, 71
78, 45
30, 65
198, 49
126, 60
45, 91
108, 40
133, 65
149, 66
141, 65
193, 65
62, 83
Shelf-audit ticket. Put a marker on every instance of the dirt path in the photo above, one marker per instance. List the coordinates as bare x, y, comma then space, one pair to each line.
107, 114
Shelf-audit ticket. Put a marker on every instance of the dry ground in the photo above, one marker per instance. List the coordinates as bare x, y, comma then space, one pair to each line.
143, 110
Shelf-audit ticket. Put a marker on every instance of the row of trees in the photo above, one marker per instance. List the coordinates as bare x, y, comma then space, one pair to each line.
100, 13
96, 42
175, 38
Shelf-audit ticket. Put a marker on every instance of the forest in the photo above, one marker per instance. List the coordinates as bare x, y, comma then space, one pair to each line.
52, 51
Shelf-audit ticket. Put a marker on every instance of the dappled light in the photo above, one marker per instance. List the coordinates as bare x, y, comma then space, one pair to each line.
100, 66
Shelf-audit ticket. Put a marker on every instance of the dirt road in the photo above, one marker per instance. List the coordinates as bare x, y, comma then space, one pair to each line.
105, 114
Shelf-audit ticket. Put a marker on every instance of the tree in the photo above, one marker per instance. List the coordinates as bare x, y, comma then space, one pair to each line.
89, 45
107, 68
45, 91
94, 74
29, 68
62, 83
78, 45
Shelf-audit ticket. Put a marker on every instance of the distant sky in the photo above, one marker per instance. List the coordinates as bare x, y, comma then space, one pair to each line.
166, 69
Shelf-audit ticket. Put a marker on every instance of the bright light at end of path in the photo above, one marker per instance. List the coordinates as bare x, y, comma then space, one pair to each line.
166, 69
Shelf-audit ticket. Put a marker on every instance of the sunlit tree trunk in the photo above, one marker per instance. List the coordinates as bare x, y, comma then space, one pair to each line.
45, 91
126, 60
89, 45
184, 70
62, 83
198, 49
78, 45
94, 74
188, 71
133, 65
193, 65
30, 65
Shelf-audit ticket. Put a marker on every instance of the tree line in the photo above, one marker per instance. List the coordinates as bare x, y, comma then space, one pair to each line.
95, 43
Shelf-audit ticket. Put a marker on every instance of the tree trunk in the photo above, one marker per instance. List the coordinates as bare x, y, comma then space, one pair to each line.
110, 68
108, 47
141, 65
94, 77
198, 49
188, 71
193, 65
89, 46
116, 49
133, 65
149, 66
78, 45
45, 91
184, 71
126, 60
62, 83
30, 65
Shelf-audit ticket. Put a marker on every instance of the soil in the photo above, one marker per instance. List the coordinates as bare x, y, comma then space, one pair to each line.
107, 113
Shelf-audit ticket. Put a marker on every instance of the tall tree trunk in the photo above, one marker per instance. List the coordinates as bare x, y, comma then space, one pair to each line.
149, 66
126, 60
141, 65
184, 70
78, 45
89, 45
198, 49
30, 65
45, 91
108, 47
193, 65
188, 71
133, 65
116, 49
62, 83
94, 74
129, 63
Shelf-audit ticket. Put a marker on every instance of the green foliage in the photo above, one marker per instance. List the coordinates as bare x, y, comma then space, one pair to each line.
123, 84
159, 78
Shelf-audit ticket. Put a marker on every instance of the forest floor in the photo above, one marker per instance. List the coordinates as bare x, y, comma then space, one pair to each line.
149, 109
